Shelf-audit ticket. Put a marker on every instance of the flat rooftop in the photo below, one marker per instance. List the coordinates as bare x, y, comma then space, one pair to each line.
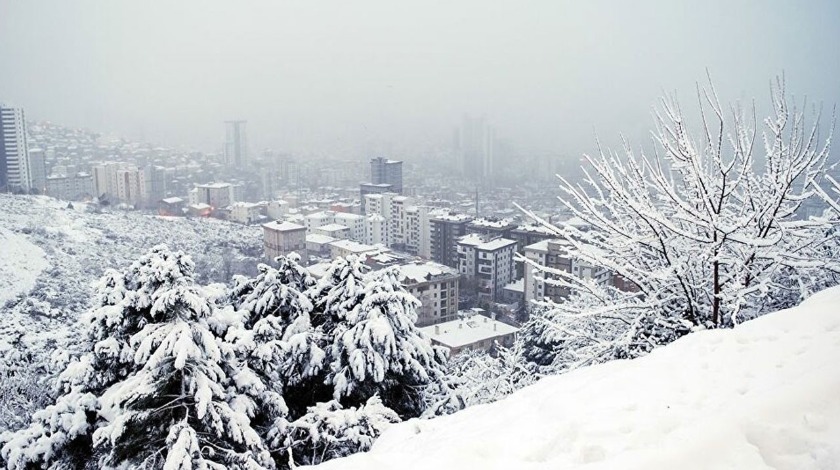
461, 332
283, 226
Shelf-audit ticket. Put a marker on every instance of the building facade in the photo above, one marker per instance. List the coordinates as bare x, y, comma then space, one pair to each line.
384, 171
283, 238
15, 171
435, 286
487, 263
445, 231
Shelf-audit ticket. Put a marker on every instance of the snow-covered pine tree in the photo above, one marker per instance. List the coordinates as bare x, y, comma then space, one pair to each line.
279, 344
175, 411
381, 352
704, 230
60, 435
147, 307
336, 294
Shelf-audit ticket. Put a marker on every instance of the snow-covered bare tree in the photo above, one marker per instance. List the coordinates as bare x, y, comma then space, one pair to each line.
328, 431
703, 229
484, 378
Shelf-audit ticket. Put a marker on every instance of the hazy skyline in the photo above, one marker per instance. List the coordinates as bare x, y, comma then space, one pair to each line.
346, 77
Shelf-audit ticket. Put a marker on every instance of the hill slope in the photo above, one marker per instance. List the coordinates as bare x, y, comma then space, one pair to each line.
764, 395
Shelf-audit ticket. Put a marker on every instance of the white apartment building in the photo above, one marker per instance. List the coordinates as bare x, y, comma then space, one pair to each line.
246, 212
553, 254
354, 222
487, 263
216, 195
435, 286
15, 171
476, 333
337, 231
131, 186
376, 230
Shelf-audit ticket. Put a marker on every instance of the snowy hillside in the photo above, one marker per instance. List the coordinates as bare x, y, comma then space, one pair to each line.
764, 395
50, 254
20, 264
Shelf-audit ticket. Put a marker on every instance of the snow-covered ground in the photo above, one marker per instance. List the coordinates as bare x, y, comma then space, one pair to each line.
20, 264
764, 395
51, 252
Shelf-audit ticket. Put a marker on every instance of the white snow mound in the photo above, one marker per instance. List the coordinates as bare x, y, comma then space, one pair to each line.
20, 264
765, 395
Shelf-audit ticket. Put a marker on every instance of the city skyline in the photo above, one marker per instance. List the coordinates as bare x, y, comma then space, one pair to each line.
549, 77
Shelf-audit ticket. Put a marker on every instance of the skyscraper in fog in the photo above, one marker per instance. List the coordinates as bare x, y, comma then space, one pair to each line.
476, 148
15, 172
236, 144
384, 171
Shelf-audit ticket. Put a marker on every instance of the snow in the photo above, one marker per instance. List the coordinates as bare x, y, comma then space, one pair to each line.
414, 273
283, 226
763, 395
20, 264
490, 223
459, 333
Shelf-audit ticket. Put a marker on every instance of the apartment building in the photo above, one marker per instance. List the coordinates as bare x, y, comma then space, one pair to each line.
487, 263
283, 238
435, 286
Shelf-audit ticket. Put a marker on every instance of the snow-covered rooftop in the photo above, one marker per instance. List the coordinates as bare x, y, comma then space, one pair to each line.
414, 273
541, 245
283, 226
213, 185
172, 200
490, 223
462, 332
319, 238
453, 217
535, 228
762, 395
333, 228
516, 286
496, 244
353, 247
478, 242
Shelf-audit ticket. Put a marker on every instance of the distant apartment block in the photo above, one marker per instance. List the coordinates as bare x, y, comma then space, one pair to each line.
72, 187
435, 286
384, 171
246, 212
283, 238
38, 169
554, 254
445, 231
476, 333
487, 263
236, 144
15, 171
216, 195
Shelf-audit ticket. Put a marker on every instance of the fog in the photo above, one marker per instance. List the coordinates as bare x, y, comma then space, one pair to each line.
350, 78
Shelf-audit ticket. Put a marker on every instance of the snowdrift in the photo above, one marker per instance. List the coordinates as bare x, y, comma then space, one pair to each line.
764, 395
20, 264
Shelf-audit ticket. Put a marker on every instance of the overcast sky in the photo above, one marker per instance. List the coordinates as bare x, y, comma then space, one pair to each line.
345, 76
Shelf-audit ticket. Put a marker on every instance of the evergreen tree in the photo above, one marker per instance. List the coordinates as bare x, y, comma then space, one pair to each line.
379, 350
148, 341
174, 411
59, 436
278, 343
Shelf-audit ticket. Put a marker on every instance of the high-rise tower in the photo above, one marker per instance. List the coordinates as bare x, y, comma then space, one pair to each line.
236, 144
15, 172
